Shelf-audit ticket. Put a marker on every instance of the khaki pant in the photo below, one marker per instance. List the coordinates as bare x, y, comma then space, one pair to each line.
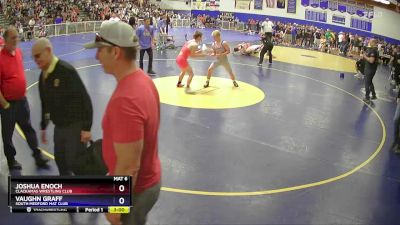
142, 204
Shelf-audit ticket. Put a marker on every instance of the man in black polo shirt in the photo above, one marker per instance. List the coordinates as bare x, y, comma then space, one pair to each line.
267, 47
395, 61
396, 66
371, 65
66, 103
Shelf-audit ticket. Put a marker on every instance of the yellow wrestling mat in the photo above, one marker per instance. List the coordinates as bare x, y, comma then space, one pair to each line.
221, 94
311, 58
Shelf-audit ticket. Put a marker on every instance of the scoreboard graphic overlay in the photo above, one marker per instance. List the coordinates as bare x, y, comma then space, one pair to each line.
34, 194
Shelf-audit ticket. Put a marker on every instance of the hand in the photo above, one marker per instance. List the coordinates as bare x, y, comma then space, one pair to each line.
114, 218
85, 136
43, 137
6, 105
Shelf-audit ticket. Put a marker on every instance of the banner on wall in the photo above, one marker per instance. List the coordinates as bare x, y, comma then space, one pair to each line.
281, 4
342, 6
305, 3
339, 19
291, 6
361, 24
323, 4
314, 3
270, 3
361, 12
314, 15
333, 5
226, 15
242, 4
351, 7
370, 10
258, 4
198, 5
212, 5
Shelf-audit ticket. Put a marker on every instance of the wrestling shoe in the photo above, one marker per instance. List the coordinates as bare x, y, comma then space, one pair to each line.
179, 85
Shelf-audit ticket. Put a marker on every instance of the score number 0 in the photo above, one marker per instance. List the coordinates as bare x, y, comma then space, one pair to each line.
121, 200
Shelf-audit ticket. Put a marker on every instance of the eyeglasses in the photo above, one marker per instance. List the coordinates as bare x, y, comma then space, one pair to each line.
101, 39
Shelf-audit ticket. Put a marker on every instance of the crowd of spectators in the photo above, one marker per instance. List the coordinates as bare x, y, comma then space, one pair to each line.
312, 37
41, 12
303, 36
124, 10
25, 14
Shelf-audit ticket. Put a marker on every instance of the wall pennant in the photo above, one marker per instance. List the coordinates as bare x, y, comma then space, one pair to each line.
304, 3
323, 4
333, 5
342, 7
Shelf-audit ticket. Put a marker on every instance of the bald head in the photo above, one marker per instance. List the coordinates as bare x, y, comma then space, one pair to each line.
42, 53
42, 43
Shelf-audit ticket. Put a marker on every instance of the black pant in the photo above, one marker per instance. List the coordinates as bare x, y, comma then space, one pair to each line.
396, 77
369, 86
150, 53
385, 60
268, 34
19, 113
67, 147
397, 125
262, 53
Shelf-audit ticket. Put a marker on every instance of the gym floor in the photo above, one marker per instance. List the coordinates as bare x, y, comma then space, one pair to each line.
294, 144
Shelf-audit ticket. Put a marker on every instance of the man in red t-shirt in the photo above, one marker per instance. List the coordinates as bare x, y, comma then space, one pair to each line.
131, 120
14, 107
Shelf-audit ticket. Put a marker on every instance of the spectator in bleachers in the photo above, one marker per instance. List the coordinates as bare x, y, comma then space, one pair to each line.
267, 27
22, 13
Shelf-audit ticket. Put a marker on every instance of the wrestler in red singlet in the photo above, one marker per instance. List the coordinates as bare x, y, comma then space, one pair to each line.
182, 59
190, 49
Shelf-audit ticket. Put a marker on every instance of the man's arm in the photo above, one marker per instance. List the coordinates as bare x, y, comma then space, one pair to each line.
153, 36
87, 108
138, 32
128, 159
3, 102
127, 129
45, 112
194, 52
81, 99
370, 59
391, 60
127, 164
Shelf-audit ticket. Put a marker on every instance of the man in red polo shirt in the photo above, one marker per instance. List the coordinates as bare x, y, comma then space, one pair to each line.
14, 105
131, 120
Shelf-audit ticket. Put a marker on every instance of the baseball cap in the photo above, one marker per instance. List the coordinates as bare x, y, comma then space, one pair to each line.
114, 33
